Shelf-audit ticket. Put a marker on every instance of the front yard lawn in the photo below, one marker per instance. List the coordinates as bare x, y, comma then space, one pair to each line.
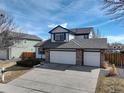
13, 72
110, 85
16, 69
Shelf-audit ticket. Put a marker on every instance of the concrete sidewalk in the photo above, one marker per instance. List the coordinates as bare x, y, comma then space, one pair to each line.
53, 78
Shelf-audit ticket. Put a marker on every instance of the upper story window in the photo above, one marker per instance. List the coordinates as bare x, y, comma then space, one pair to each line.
59, 36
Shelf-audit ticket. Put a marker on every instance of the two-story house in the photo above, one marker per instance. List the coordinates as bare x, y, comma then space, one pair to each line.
73, 46
25, 44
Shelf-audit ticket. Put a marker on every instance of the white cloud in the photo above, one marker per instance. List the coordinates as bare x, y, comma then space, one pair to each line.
64, 25
116, 38
54, 25
109, 21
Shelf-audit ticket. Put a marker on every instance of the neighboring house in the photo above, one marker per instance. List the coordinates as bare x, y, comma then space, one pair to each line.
72, 46
25, 44
115, 48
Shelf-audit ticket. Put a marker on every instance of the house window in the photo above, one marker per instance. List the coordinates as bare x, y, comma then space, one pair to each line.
41, 51
86, 36
59, 37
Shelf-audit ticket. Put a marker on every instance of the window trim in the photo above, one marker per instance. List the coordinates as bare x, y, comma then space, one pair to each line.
62, 38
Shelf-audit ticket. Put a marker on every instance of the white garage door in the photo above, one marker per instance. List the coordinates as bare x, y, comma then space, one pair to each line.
3, 54
92, 58
63, 57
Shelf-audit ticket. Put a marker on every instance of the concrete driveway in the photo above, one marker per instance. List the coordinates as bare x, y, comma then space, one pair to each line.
55, 78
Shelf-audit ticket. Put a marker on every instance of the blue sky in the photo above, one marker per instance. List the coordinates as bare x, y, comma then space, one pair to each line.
40, 16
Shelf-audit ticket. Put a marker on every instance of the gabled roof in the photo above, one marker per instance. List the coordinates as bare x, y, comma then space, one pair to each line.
32, 37
56, 31
96, 43
25, 36
76, 31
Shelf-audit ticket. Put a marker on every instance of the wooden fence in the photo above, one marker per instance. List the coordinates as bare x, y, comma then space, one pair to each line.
115, 58
27, 55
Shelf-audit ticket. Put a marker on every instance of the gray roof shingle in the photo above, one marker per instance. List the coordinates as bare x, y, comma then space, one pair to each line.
97, 43
82, 30
93, 43
25, 36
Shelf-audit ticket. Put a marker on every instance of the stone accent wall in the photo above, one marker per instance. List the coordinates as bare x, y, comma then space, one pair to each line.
79, 57
47, 55
102, 58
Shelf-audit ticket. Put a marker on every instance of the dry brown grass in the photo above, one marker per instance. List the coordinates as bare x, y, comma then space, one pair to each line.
110, 85
13, 72
6, 64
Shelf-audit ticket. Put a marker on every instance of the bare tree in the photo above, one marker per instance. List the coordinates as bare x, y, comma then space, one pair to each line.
8, 36
114, 8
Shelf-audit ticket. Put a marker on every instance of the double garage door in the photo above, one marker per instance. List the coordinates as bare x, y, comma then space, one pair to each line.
63, 57
67, 57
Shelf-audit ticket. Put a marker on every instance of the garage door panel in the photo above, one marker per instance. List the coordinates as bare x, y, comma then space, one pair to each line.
63, 57
3, 54
92, 58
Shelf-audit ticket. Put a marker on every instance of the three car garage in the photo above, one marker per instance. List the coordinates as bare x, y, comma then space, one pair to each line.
69, 57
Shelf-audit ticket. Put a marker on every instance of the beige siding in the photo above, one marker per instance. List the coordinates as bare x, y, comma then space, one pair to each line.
23, 46
71, 36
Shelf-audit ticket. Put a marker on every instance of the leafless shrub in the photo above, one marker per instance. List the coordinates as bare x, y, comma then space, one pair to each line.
114, 8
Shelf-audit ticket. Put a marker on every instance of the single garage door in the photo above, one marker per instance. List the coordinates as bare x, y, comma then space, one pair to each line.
63, 57
3, 54
92, 58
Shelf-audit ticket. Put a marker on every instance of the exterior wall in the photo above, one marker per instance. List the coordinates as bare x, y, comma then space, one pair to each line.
23, 46
67, 37
37, 53
71, 37
52, 38
79, 56
91, 35
102, 58
47, 55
